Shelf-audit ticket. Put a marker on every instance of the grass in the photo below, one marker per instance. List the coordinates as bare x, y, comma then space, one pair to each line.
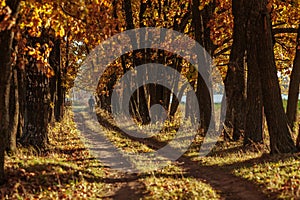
166, 183
227, 153
179, 188
282, 175
171, 182
278, 174
285, 104
68, 171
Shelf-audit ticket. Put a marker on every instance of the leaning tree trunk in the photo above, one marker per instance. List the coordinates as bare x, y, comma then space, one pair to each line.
6, 38
260, 29
292, 103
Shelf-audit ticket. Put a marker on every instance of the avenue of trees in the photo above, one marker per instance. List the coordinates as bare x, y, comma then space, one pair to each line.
43, 43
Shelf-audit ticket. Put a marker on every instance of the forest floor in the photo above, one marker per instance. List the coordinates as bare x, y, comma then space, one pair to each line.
71, 169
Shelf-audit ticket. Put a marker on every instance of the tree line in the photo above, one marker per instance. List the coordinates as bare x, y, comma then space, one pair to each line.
42, 45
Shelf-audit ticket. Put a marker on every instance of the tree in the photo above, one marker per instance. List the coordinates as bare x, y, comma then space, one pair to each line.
254, 110
260, 38
292, 103
14, 112
202, 36
9, 15
235, 78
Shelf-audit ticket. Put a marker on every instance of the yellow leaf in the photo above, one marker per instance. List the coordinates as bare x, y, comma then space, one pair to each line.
3, 3
62, 32
86, 40
31, 52
50, 72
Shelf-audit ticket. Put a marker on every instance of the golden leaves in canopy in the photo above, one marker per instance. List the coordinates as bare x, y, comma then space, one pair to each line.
41, 55
88, 22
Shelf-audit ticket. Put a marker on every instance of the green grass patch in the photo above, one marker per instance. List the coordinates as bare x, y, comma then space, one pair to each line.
280, 176
179, 188
68, 171
65, 171
227, 153
169, 182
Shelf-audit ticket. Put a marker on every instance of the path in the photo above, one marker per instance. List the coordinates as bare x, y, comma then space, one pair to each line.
223, 181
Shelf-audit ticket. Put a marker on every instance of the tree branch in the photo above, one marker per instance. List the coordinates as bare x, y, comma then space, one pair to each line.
68, 13
222, 51
276, 31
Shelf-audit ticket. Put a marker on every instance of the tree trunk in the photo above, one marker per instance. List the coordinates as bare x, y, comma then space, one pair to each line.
55, 83
222, 113
140, 99
176, 101
205, 105
254, 114
235, 78
189, 114
200, 22
59, 102
5, 78
38, 101
22, 97
14, 113
260, 30
254, 109
298, 138
37, 109
292, 103
6, 38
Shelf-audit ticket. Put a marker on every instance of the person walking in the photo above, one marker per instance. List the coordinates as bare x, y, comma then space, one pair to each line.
91, 103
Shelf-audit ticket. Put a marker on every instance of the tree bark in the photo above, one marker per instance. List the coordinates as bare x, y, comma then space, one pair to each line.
200, 21
6, 38
292, 103
278, 126
139, 100
298, 138
235, 78
38, 101
55, 82
189, 114
60, 89
14, 114
22, 97
254, 115
5, 78
254, 104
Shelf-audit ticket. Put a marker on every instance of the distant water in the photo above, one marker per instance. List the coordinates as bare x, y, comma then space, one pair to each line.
218, 98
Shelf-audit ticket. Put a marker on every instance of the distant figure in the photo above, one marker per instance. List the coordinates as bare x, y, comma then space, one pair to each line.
91, 103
